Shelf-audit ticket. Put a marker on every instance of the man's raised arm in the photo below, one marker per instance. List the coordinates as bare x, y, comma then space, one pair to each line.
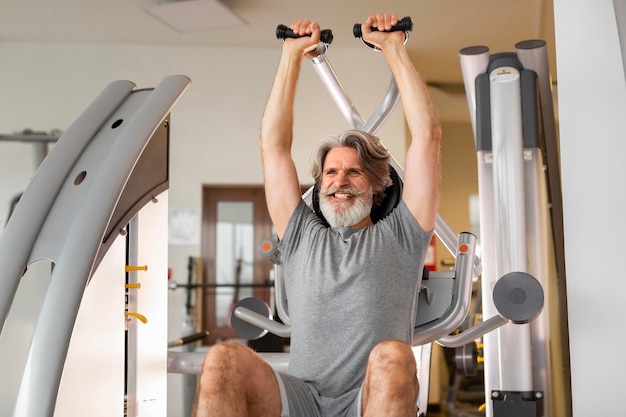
421, 170
282, 188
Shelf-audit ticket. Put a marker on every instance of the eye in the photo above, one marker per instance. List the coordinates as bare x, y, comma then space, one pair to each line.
331, 171
354, 172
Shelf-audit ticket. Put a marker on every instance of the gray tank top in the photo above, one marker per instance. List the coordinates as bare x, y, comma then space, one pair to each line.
348, 290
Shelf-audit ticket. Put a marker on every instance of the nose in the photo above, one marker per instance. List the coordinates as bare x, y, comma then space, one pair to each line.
341, 179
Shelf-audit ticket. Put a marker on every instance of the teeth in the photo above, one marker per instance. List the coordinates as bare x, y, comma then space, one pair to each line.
342, 195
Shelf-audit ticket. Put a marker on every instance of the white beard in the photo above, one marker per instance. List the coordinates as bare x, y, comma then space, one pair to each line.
348, 213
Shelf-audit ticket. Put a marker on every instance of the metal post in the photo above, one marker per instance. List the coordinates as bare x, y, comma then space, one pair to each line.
510, 227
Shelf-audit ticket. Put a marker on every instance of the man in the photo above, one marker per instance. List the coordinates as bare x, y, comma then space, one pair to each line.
351, 286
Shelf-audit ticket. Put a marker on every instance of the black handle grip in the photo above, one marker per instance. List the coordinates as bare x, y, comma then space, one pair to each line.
283, 32
405, 25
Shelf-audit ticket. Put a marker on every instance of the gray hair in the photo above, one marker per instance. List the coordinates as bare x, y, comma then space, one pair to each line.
372, 155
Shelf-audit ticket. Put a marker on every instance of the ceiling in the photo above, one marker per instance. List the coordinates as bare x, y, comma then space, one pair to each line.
441, 27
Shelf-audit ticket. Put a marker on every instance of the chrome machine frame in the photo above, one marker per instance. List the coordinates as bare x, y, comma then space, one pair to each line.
510, 101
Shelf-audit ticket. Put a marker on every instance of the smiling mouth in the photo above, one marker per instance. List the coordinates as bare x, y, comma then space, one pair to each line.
343, 196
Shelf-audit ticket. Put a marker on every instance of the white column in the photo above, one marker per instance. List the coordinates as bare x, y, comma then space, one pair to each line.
592, 115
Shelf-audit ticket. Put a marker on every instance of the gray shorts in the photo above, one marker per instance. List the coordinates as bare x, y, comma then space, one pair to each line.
300, 399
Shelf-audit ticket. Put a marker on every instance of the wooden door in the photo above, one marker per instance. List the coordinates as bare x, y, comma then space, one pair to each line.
235, 222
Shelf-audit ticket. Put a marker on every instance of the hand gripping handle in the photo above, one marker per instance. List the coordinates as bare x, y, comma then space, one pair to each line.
405, 25
283, 32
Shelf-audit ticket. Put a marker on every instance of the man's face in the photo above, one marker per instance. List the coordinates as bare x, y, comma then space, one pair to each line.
346, 191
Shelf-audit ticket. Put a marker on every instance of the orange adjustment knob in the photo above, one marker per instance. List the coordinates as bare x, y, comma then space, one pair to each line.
136, 285
136, 268
463, 248
138, 316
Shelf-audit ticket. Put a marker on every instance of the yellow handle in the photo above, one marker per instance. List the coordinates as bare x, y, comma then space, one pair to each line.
136, 268
138, 316
136, 285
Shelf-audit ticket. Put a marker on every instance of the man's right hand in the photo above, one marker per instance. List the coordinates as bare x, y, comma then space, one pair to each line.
310, 33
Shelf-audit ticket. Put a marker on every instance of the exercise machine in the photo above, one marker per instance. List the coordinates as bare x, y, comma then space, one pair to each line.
110, 164
444, 298
509, 95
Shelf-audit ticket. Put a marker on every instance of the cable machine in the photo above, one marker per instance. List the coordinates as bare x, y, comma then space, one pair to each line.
521, 228
109, 164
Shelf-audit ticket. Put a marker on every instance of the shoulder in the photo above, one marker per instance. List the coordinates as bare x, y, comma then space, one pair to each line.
401, 221
302, 219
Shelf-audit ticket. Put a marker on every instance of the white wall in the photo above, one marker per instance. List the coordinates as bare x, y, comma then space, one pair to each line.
215, 125
592, 101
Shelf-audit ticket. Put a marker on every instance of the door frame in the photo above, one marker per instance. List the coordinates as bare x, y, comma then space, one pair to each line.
211, 195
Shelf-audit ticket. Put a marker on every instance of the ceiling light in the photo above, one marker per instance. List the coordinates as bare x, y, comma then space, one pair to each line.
195, 15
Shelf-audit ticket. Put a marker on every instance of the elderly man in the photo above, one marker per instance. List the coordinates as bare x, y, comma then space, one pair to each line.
351, 283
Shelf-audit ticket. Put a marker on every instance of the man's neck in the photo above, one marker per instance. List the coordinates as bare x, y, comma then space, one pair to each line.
367, 221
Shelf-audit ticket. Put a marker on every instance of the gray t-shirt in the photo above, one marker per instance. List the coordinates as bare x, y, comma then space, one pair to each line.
348, 290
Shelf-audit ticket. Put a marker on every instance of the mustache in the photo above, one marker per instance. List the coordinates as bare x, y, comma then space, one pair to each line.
332, 190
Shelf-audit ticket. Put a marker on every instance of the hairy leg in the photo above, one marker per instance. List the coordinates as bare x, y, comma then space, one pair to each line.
390, 387
236, 382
